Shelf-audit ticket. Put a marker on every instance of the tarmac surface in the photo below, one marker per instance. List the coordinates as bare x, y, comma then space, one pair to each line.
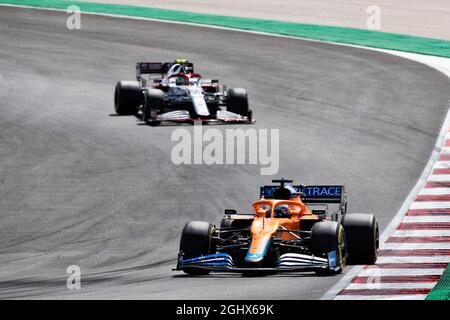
82, 186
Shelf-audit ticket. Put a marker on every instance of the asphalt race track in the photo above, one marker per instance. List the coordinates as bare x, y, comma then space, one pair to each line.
81, 186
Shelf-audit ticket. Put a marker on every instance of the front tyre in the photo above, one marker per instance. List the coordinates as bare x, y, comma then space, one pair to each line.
154, 103
196, 240
328, 236
238, 102
362, 236
127, 97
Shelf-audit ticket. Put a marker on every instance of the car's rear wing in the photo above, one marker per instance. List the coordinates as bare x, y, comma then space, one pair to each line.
160, 67
323, 194
315, 194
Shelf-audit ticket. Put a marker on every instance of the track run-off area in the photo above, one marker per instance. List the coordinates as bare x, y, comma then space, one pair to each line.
80, 186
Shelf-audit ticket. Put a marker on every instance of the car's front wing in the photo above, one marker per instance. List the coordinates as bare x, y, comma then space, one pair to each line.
286, 262
183, 116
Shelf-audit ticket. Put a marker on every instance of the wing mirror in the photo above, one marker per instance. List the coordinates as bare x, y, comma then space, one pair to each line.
230, 211
321, 213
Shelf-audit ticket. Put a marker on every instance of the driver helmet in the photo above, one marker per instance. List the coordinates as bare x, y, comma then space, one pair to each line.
282, 211
176, 69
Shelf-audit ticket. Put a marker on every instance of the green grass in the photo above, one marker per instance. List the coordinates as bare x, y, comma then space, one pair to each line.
442, 289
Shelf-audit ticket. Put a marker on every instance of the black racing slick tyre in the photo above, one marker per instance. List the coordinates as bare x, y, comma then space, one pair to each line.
362, 237
154, 102
238, 102
127, 97
196, 240
327, 236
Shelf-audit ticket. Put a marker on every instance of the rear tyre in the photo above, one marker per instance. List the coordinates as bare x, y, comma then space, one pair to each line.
362, 237
196, 240
327, 236
127, 97
154, 104
238, 102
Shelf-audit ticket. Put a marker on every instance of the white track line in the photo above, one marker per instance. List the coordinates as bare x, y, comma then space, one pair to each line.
434, 191
382, 297
411, 246
401, 285
439, 177
421, 233
414, 259
374, 271
430, 205
413, 219
442, 165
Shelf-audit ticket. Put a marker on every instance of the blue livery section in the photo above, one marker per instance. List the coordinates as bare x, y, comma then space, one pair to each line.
256, 257
322, 191
332, 263
212, 260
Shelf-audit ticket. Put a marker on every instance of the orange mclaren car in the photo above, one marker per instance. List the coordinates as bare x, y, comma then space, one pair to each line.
290, 229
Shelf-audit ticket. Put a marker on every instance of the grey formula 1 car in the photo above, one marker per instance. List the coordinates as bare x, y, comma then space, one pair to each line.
172, 91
